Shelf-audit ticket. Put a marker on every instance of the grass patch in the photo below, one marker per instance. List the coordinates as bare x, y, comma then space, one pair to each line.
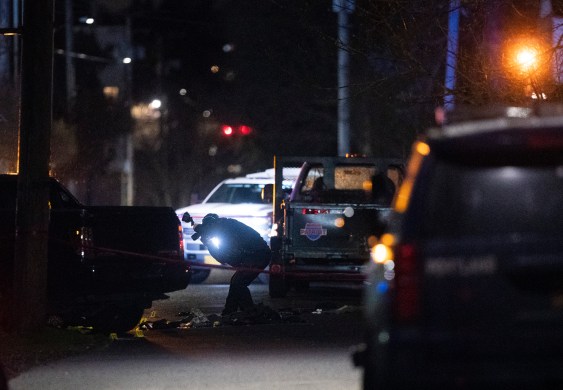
20, 352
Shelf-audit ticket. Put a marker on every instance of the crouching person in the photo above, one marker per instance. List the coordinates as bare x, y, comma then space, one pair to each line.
238, 245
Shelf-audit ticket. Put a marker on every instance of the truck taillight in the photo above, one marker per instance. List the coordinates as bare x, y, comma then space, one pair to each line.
315, 211
406, 304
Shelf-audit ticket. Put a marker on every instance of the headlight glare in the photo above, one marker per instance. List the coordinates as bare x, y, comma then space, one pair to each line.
215, 241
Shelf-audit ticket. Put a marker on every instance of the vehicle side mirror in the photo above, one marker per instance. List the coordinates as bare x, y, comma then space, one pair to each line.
268, 193
187, 218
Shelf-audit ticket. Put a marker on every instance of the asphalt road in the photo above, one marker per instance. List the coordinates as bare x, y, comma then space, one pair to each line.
309, 348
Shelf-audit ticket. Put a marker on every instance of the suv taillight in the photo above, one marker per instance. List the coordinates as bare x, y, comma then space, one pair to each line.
181, 240
406, 305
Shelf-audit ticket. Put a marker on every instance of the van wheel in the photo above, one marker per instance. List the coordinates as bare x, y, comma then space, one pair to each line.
278, 286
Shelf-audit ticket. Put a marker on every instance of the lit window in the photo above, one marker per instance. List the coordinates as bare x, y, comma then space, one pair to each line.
111, 92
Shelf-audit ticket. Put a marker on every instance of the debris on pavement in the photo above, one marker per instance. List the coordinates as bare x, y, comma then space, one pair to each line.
199, 320
260, 314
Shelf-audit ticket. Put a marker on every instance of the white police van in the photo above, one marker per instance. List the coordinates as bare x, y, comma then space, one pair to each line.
239, 198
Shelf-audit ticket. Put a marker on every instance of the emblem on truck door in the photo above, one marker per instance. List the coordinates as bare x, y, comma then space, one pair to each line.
313, 231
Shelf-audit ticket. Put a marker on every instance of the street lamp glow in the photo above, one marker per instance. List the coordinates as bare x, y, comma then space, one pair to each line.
525, 56
527, 59
155, 104
127, 60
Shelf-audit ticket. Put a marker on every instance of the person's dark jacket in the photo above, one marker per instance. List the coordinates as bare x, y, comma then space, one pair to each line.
239, 244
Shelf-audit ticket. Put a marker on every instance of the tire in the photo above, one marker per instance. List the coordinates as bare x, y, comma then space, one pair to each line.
116, 318
278, 287
199, 276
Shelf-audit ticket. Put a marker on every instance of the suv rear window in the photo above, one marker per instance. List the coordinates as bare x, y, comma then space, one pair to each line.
480, 199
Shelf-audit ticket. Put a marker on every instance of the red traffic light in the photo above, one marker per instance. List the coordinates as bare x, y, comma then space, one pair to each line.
227, 130
245, 130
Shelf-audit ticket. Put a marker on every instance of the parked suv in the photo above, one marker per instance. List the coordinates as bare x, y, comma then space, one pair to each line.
465, 288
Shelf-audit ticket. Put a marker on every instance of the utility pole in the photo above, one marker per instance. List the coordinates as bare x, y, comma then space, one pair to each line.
552, 25
9, 49
69, 62
127, 175
451, 55
343, 8
32, 213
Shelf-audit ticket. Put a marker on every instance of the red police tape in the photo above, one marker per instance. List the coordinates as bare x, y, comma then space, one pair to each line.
325, 275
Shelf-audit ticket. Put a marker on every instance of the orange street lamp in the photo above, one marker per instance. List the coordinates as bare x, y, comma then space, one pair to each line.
524, 57
527, 59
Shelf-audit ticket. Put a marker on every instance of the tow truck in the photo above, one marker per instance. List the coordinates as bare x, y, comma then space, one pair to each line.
324, 229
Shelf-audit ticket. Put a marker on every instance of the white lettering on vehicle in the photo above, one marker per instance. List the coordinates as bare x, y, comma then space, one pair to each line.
472, 266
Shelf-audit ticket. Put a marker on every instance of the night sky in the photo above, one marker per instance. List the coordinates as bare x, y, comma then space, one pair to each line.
269, 65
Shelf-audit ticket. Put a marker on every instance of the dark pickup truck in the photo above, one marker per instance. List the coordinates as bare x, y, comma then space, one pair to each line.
325, 228
106, 264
